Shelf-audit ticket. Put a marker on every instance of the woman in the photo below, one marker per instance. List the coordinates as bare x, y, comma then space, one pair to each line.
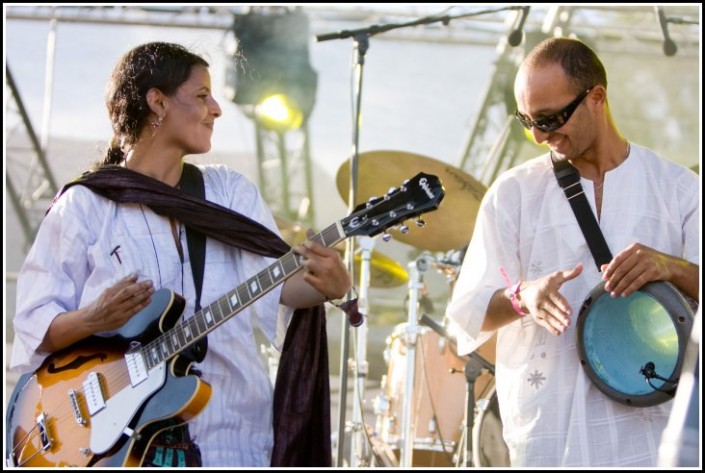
96, 262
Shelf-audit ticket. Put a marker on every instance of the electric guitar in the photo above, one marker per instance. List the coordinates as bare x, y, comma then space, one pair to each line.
101, 401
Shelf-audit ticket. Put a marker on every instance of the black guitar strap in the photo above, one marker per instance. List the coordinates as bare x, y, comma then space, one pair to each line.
192, 183
569, 179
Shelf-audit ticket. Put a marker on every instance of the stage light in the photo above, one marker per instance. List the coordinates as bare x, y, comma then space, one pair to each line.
279, 113
273, 60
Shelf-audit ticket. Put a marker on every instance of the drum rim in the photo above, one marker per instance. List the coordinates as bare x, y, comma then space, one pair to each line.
479, 416
671, 299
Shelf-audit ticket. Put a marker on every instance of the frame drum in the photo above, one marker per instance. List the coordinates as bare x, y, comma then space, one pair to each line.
632, 348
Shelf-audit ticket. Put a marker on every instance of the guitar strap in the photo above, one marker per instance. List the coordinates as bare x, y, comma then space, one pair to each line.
192, 183
569, 179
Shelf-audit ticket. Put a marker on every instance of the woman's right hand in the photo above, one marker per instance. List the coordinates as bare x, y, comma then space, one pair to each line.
115, 306
119, 303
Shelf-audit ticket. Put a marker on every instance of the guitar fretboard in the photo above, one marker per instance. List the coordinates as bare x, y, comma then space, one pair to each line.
207, 319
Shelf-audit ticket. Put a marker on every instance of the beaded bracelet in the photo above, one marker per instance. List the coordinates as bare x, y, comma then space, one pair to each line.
514, 291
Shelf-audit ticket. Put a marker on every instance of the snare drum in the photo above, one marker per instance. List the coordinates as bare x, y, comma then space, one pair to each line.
438, 400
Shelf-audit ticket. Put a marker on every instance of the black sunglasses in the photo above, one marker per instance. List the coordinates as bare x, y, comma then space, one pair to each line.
554, 121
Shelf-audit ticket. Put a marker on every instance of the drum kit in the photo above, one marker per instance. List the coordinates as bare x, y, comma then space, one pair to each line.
428, 413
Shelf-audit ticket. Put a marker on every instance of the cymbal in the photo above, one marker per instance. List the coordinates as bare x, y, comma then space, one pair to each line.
292, 232
448, 227
384, 271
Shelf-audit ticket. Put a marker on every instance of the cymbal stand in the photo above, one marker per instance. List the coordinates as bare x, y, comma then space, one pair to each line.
360, 366
420, 265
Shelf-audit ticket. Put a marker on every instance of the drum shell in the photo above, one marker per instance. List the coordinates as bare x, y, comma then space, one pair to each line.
438, 400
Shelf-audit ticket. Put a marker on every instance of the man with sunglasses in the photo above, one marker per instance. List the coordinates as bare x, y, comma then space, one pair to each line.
528, 268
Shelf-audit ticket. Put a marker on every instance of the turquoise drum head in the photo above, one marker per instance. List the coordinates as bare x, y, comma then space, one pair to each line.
619, 337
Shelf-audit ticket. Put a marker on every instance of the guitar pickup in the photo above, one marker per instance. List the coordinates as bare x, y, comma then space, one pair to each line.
92, 388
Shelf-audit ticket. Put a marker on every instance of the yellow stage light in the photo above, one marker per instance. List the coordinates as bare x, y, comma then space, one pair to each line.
279, 113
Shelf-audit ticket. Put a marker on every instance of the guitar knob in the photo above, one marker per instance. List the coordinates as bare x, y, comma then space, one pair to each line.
420, 222
404, 229
386, 236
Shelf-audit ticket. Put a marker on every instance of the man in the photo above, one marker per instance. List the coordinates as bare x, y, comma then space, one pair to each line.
528, 268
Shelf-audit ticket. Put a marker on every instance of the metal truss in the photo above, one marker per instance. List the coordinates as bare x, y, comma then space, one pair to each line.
494, 141
28, 178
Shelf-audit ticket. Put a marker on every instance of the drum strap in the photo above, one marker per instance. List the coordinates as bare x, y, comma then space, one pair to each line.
569, 179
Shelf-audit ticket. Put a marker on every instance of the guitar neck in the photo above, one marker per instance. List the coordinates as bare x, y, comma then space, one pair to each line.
202, 322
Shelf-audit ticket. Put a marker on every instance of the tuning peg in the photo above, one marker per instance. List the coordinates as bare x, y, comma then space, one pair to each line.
404, 228
420, 222
386, 236
391, 190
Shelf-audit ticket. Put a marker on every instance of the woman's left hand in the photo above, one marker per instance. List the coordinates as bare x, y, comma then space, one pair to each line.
324, 269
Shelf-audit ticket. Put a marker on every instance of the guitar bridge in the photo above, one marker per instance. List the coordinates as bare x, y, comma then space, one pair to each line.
73, 396
44, 436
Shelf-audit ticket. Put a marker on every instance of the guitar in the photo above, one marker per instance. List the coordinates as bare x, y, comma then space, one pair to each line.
101, 401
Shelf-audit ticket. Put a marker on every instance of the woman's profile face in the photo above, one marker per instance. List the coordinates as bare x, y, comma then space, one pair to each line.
191, 113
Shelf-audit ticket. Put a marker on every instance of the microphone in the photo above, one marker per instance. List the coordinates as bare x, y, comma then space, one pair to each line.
516, 36
669, 46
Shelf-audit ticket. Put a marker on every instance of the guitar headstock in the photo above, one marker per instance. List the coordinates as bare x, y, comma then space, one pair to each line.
420, 194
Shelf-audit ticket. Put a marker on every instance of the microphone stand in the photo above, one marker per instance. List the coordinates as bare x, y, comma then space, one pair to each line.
472, 371
361, 45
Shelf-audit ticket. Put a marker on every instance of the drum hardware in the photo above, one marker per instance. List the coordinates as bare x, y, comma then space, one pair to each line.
416, 267
384, 271
411, 336
361, 45
437, 398
360, 365
474, 368
383, 453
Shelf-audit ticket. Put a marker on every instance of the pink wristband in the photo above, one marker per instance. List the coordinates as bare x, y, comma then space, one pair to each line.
513, 292
515, 301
